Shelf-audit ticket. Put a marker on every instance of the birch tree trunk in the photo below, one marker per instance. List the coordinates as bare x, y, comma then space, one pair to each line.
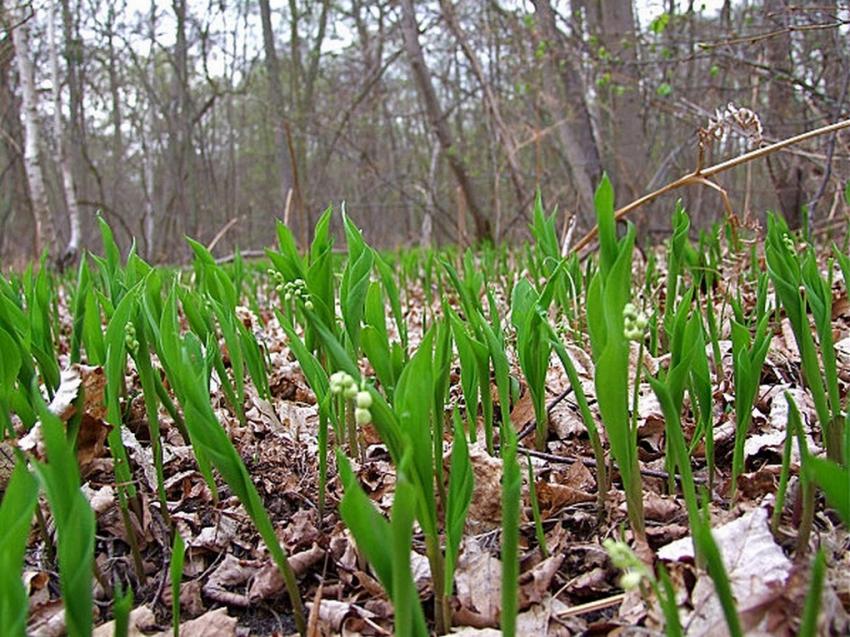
72, 249
437, 120
44, 231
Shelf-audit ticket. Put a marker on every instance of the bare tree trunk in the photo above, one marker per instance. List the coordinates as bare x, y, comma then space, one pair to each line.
436, 118
504, 133
575, 128
62, 159
613, 22
75, 137
279, 108
45, 233
148, 173
14, 195
786, 173
115, 96
186, 169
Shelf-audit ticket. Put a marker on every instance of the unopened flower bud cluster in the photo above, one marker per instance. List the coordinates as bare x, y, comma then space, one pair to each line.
789, 243
635, 323
291, 290
130, 338
343, 384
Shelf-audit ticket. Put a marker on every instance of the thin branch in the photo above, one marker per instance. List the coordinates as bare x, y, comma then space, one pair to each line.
700, 176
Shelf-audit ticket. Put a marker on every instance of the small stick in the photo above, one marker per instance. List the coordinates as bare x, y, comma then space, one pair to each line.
590, 462
590, 607
222, 232
531, 424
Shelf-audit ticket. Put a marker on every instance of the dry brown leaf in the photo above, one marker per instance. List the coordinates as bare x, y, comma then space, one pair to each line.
553, 497
565, 422
485, 511
535, 621
591, 583
469, 631
7, 464
91, 436
534, 584
756, 565
100, 500
91, 442
191, 602
47, 619
232, 572
142, 455
216, 538
215, 623
523, 409
479, 582
301, 531
341, 616
141, 621
268, 581
660, 508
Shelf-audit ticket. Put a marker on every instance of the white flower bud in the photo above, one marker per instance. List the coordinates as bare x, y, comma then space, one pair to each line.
362, 416
363, 399
630, 580
350, 392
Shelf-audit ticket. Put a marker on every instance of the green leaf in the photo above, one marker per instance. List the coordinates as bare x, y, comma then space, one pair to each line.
175, 570
16, 513
75, 523
664, 90
413, 405
511, 493
409, 618
833, 480
604, 204
461, 484
370, 529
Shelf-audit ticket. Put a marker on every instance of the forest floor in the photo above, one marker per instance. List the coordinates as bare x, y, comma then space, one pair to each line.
231, 586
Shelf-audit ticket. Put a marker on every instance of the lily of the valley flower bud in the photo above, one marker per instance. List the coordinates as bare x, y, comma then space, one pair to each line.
630, 580
363, 400
342, 383
635, 323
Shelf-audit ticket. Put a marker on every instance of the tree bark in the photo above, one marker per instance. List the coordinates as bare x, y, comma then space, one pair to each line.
437, 120
44, 230
575, 127
186, 177
147, 128
72, 248
785, 173
278, 107
613, 22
